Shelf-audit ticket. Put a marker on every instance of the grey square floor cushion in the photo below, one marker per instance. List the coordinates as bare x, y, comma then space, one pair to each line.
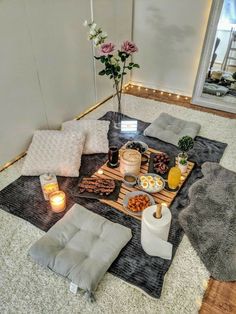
170, 129
81, 247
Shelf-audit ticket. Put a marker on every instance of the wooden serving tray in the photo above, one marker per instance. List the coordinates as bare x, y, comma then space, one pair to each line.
164, 196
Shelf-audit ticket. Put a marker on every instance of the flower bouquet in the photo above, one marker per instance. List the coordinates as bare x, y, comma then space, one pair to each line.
115, 61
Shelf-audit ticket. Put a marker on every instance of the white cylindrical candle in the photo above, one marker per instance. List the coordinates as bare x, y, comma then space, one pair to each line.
57, 201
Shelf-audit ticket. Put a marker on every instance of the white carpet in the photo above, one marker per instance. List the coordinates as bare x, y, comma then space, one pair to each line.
27, 288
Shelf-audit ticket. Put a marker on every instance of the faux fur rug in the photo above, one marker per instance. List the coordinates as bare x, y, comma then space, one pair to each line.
24, 198
210, 220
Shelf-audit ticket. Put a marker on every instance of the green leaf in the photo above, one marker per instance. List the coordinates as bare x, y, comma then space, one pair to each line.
103, 72
97, 58
131, 64
136, 65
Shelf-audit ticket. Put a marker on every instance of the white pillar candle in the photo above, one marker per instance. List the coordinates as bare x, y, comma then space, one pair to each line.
57, 201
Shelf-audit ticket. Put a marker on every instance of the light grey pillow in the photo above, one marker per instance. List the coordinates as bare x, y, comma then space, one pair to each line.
81, 247
54, 152
95, 131
170, 129
215, 89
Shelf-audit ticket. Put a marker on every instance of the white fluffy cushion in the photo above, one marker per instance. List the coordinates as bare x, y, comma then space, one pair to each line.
54, 152
95, 131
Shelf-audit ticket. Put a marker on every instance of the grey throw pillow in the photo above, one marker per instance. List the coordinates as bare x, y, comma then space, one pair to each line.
81, 247
170, 129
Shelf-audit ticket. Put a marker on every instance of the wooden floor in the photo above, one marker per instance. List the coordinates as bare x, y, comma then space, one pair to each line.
173, 99
220, 297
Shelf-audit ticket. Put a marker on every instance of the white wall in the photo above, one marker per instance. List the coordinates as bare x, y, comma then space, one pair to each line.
115, 17
170, 35
47, 72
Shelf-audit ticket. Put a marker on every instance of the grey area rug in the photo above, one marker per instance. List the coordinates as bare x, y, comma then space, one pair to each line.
24, 199
210, 220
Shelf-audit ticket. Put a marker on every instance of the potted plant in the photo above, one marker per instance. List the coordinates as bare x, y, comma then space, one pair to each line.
185, 144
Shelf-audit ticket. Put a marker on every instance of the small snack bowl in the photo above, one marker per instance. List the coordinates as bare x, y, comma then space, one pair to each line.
144, 159
130, 179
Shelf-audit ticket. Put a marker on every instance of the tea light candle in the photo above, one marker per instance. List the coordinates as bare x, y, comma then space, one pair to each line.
100, 171
57, 201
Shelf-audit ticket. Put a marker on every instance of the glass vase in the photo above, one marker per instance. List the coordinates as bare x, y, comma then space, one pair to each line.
118, 107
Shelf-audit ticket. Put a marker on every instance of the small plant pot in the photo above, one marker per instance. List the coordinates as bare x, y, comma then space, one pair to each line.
183, 168
183, 162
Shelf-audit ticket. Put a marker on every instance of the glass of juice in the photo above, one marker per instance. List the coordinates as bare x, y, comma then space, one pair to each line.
174, 178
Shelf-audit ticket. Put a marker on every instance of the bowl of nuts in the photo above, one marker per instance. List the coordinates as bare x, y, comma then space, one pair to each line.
135, 202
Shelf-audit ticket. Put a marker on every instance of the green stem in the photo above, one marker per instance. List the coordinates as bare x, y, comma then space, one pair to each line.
122, 78
118, 95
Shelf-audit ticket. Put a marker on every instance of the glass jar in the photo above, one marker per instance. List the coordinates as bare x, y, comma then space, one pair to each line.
174, 178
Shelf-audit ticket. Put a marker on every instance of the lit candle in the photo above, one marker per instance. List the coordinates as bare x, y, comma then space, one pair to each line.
100, 171
48, 184
57, 201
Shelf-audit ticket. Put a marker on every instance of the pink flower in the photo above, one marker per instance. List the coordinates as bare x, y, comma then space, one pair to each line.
107, 48
129, 47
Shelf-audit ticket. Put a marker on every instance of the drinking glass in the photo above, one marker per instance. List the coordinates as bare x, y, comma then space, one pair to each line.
113, 156
174, 178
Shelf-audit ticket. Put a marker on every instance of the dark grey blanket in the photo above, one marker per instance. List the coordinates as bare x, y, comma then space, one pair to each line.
24, 199
210, 220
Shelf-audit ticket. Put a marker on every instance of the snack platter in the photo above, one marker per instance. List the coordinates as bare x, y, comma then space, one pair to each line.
164, 196
96, 188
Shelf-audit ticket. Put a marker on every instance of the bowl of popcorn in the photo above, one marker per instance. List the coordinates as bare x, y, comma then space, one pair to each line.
151, 183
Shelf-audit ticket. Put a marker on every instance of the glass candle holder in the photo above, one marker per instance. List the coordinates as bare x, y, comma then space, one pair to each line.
57, 201
174, 178
113, 156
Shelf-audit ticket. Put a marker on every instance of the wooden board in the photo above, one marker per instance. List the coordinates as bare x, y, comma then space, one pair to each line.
163, 196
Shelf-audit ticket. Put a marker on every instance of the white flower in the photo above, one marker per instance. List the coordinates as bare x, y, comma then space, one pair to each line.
92, 32
97, 40
93, 26
85, 23
113, 61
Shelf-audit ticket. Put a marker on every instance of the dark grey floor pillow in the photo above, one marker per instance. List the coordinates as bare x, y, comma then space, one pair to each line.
210, 220
170, 129
81, 247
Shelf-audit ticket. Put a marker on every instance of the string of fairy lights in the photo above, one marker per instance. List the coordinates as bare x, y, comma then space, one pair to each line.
151, 90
